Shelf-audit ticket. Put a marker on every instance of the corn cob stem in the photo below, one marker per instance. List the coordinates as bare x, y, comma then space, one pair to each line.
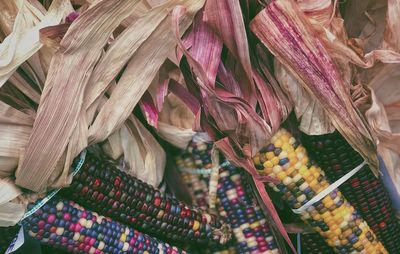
105, 189
66, 225
332, 217
363, 190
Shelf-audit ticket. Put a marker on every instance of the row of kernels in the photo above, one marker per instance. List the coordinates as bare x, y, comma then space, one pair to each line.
102, 187
67, 225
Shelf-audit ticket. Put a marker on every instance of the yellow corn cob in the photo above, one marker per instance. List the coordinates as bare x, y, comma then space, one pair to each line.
332, 217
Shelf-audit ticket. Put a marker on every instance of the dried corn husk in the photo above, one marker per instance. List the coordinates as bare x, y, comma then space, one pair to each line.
10, 212
24, 41
89, 85
309, 61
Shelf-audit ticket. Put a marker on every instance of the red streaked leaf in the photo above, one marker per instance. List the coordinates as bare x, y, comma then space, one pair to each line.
290, 37
206, 48
183, 94
149, 109
229, 113
226, 19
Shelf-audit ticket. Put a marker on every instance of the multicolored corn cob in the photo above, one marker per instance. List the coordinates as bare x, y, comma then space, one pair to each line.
365, 192
7, 234
246, 218
300, 180
100, 186
314, 244
236, 202
66, 225
197, 183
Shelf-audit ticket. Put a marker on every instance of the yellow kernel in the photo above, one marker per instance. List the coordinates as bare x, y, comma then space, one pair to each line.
327, 200
285, 138
304, 160
325, 215
267, 171
123, 237
337, 231
196, 225
256, 160
268, 164
301, 198
303, 186
287, 181
278, 143
276, 169
255, 224
283, 154
270, 155
286, 146
292, 155
290, 170
281, 175
297, 177
303, 169
307, 176
275, 160
330, 222
297, 165
312, 182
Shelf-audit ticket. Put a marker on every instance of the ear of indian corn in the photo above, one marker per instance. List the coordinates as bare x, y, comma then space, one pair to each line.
102, 187
244, 214
364, 191
236, 202
333, 217
197, 184
66, 225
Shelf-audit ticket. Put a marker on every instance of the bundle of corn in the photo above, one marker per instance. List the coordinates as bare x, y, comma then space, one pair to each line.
314, 244
101, 186
299, 181
64, 224
364, 191
7, 234
247, 219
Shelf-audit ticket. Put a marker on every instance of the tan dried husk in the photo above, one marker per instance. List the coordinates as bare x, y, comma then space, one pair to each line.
143, 156
151, 158
176, 121
120, 104
313, 118
24, 41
